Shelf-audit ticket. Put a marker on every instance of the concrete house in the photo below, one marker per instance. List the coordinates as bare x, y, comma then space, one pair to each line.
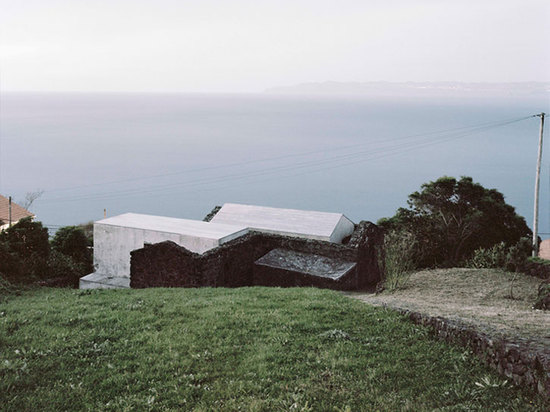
116, 237
221, 252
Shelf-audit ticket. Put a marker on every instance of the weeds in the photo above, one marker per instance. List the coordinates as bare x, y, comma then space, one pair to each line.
397, 258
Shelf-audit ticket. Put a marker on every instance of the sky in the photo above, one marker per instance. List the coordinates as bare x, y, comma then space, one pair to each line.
250, 45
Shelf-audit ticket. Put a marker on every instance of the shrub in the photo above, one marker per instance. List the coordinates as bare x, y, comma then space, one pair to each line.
24, 251
397, 258
73, 242
27, 238
543, 298
63, 270
493, 257
518, 254
511, 258
537, 267
7, 289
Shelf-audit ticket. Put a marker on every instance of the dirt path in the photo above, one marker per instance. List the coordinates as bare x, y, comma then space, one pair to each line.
479, 297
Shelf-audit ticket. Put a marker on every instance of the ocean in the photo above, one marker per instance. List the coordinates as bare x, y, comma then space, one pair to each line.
180, 155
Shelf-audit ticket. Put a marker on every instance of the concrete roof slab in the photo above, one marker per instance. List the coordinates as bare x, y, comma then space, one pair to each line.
292, 222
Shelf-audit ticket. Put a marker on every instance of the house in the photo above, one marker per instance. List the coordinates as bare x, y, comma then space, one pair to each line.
10, 217
116, 237
257, 228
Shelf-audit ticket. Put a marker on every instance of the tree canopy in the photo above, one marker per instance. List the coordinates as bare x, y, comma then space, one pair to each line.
452, 218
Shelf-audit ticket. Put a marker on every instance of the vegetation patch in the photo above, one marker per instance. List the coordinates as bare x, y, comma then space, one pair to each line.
260, 349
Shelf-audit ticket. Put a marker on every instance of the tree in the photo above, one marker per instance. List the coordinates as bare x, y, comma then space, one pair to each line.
24, 250
30, 197
451, 218
71, 241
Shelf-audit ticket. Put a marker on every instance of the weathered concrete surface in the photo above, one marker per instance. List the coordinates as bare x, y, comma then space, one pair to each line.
330, 227
100, 281
307, 263
287, 268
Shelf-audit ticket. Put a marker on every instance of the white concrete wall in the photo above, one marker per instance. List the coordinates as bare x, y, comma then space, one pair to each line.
113, 244
343, 228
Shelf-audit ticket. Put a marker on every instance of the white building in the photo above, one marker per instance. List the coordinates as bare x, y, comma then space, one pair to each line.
116, 237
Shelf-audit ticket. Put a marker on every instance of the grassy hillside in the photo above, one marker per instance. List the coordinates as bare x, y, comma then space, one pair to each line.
228, 349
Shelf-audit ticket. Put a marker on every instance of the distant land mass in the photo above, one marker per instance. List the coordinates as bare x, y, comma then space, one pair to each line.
401, 89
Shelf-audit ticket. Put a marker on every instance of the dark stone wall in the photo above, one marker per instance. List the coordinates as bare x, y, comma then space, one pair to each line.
526, 363
212, 213
232, 264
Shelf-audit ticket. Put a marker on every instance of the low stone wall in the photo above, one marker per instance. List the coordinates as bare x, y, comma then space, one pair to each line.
232, 264
536, 269
527, 364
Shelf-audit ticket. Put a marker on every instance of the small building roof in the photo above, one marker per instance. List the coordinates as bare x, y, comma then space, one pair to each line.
326, 226
178, 226
17, 212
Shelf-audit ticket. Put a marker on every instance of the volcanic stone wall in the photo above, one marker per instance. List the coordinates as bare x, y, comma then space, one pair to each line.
526, 363
232, 264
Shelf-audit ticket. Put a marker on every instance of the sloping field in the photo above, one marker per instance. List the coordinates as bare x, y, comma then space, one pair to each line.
493, 300
258, 349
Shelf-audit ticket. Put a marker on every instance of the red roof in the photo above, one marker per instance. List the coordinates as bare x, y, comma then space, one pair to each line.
17, 212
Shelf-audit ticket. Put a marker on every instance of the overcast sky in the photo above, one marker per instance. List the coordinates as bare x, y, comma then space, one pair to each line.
247, 46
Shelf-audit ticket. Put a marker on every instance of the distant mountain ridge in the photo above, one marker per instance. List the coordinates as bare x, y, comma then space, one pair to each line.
517, 89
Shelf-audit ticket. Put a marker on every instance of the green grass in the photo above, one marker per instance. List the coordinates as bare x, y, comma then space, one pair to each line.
257, 349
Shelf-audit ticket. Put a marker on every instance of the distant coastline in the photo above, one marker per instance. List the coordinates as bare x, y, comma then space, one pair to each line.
398, 89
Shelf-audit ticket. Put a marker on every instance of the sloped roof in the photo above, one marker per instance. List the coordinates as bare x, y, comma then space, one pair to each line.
331, 227
17, 212
196, 228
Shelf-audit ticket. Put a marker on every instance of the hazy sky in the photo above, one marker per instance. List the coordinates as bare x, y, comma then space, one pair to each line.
250, 45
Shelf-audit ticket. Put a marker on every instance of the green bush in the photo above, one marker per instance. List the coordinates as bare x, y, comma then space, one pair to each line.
72, 241
511, 258
27, 238
543, 298
7, 289
64, 270
24, 252
397, 259
518, 254
493, 257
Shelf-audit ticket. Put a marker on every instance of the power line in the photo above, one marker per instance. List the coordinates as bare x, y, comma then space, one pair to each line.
414, 142
290, 155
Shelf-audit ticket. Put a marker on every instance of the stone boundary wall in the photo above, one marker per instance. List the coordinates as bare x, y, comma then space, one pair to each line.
536, 269
527, 364
232, 264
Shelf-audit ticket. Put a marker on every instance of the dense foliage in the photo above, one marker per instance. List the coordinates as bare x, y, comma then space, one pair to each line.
24, 251
451, 218
27, 255
72, 242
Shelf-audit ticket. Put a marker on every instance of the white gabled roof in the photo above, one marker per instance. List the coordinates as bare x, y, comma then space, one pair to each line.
291, 222
163, 224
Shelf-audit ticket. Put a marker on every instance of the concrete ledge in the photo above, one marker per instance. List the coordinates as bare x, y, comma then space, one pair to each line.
101, 281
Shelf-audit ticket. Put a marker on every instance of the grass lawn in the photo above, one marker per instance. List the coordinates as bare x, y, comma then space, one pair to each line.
257, 349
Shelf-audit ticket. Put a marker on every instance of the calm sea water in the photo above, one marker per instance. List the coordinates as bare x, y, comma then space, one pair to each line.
180, 154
